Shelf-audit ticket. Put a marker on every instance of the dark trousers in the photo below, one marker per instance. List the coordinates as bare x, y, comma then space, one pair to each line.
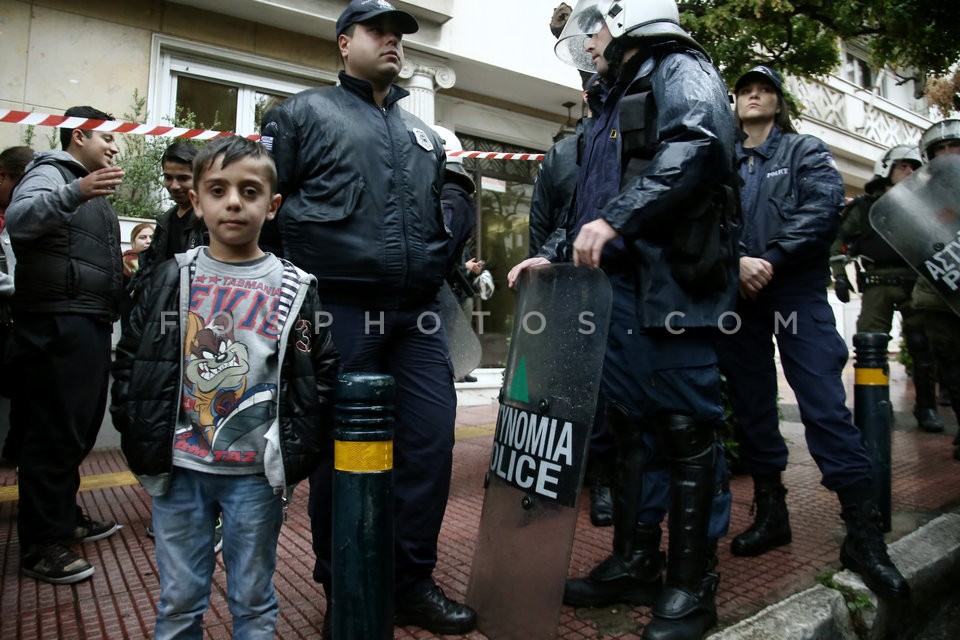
602, 447
813, 355
64, 364
406, 347
655, 373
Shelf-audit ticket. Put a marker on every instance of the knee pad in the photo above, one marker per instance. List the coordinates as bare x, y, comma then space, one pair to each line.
683, 438
627, 430
917, 343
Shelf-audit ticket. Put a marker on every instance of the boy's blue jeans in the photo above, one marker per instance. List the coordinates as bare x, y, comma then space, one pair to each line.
183, 525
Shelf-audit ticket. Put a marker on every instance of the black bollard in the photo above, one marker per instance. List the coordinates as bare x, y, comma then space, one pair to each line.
873, 413
362, 567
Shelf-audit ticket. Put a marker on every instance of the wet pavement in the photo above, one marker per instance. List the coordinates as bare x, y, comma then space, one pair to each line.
119, 601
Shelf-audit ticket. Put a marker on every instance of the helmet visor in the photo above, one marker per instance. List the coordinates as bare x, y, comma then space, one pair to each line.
940, 132
586, 20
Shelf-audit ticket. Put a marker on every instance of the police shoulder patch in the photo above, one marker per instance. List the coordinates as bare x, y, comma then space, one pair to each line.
423, 139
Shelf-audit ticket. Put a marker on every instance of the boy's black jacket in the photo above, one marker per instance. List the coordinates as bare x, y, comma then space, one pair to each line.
147, 381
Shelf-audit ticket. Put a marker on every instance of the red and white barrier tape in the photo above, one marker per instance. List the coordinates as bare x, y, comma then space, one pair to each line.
118, 126
115, 126
492, 155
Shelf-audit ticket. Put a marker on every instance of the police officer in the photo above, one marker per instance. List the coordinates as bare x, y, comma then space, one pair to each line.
553, 188
549, 211
885, 281
791, 198
943, 325
360, 180
460, 217
655, 187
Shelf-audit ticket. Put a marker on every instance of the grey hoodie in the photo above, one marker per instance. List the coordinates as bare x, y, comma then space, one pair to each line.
68, 249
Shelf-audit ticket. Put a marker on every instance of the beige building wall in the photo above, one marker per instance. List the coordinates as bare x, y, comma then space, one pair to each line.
60, 53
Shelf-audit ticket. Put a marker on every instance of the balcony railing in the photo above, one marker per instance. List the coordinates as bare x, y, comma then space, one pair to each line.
856, 111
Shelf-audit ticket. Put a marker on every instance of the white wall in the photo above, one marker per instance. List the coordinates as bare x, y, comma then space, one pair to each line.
511, 34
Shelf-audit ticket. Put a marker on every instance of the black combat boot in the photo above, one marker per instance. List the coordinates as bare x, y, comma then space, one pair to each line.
686, 608
631, 574
680, 614
771, 527
601, 504
630, 578
925, 409
600, 473
864, 551
924, 379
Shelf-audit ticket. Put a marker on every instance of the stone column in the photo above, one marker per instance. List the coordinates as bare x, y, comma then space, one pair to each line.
422, 77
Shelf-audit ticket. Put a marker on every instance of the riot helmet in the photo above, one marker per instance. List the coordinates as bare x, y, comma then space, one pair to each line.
884, 165
624, 19
454, 167
944, 130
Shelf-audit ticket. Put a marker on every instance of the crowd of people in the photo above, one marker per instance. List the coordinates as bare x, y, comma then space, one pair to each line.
700, 215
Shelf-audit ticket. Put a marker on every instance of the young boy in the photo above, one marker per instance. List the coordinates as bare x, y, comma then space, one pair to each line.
178, 228
222, 394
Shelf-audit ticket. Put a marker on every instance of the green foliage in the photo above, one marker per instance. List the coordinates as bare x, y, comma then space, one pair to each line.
30, 133
858, 602
141, 194
727, 431
800, 37
904, 357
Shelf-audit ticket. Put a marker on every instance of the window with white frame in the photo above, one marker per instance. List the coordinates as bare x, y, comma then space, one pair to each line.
856, 70
223, 89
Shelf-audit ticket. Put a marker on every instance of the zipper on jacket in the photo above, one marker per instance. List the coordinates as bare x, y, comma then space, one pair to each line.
750, 163
401, 206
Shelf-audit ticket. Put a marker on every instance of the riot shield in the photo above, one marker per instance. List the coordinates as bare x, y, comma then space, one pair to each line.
536, 468
920, 218
462, 340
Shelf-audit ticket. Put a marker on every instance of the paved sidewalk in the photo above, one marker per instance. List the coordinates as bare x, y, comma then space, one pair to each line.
119, 601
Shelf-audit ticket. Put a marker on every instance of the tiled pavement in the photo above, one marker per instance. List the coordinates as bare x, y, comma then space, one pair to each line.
119, 601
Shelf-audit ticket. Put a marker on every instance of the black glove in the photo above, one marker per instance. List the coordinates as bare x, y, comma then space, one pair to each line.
842, 287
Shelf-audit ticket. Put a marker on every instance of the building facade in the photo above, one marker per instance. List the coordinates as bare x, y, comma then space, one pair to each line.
484, 69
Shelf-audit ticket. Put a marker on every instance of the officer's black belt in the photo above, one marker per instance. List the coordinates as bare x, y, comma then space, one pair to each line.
876, 280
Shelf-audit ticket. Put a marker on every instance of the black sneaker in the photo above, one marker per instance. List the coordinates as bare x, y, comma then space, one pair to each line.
88, 530
54, 563
218, 535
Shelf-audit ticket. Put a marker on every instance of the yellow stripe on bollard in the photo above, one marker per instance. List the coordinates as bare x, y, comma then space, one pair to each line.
363, 457
871, 377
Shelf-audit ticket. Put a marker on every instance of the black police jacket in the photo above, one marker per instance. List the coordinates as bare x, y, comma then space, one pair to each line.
553, 191
677, 207
148, 376
193, 234
793, 219
859, 237
361, 195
